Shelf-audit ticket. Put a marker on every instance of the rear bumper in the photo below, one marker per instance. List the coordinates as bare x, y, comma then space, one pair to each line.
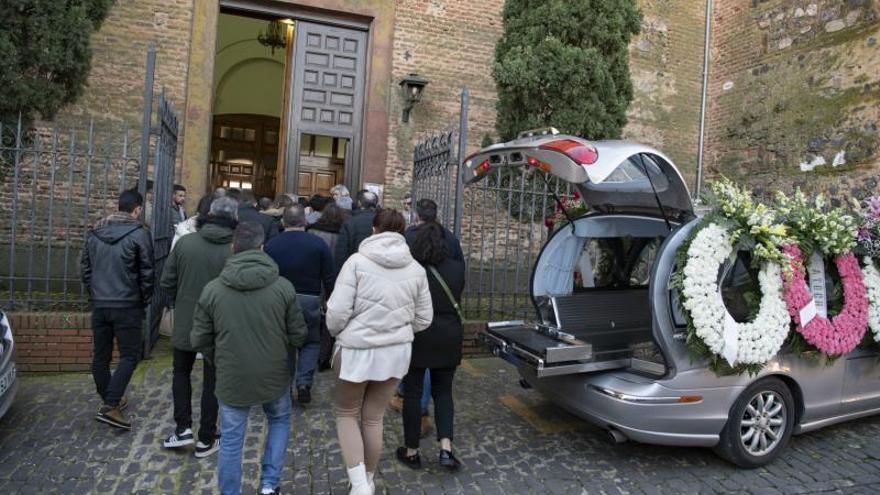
641, 411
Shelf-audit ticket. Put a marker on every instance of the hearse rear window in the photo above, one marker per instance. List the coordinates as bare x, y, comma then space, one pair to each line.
616, 262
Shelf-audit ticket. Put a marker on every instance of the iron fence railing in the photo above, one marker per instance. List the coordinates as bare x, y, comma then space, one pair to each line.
55, 184
501, 221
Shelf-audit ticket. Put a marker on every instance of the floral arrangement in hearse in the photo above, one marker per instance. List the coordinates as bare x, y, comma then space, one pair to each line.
868, 248
571, 207
821, 232
736, 223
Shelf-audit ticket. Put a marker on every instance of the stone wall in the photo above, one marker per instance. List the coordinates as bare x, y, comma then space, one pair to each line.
794, 94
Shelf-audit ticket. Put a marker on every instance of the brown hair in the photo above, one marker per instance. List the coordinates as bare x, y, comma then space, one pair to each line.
389, 221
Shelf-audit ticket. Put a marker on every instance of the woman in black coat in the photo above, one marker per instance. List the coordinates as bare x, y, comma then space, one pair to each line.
437, 348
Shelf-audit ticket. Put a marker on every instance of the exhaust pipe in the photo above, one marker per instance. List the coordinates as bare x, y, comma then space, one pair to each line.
615, 436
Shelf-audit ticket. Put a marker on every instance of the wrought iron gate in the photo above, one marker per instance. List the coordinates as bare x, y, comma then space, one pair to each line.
162, 223
58, 180
502, 221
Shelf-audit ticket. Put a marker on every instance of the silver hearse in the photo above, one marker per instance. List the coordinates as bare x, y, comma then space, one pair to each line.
607, 342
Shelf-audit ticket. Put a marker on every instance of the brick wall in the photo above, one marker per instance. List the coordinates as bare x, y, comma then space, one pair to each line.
63, 341
53, 341
452, 44
115, 91
796, 82
666, 67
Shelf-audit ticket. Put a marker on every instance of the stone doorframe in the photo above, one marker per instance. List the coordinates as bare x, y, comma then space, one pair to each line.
379, 15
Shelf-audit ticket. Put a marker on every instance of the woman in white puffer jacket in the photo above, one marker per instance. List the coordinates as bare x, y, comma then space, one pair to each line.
381, 298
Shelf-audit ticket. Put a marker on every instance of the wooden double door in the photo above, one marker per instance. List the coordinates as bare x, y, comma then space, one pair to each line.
244, 155
316, 143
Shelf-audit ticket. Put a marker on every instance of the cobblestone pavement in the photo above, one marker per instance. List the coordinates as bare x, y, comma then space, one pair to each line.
510, 440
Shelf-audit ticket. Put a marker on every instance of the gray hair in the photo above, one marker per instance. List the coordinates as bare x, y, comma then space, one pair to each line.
294, 217
224, 207
340, 190
367, 199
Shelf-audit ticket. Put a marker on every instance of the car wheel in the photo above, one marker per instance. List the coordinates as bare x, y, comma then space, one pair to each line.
759, 425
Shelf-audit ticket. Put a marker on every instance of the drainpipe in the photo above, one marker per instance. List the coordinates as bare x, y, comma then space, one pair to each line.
699, 185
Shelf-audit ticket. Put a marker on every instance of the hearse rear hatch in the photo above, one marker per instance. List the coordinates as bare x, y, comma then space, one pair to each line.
612, 176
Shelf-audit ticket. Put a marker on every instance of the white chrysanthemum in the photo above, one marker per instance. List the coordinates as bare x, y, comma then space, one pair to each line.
758, 340
872, 287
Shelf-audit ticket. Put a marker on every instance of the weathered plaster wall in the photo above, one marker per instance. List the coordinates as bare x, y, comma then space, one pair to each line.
795, 84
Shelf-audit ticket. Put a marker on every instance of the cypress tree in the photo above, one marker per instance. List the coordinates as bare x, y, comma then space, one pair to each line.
45, 54
565, 63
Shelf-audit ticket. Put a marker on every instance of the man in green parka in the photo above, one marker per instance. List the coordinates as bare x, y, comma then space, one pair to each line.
245, 323
196, 260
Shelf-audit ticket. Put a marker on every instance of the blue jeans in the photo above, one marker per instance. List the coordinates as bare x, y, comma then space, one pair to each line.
233, 425
302, 367
426, 391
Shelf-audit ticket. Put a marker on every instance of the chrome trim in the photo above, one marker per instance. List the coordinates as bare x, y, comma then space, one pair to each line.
821, 423
502, 324
636, 399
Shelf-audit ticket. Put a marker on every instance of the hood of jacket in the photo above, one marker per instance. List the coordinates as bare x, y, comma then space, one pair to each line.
115, 227
249, 270
388, 249
215, 233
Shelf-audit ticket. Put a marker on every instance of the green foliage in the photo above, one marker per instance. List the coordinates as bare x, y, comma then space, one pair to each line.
487, 140
565, 63
45, 53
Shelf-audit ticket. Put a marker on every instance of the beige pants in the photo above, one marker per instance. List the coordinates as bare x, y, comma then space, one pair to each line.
360, 409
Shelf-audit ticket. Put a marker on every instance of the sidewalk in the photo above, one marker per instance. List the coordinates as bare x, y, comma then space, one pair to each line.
510, 440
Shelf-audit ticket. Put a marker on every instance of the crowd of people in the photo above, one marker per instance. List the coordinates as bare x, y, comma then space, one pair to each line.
269, 293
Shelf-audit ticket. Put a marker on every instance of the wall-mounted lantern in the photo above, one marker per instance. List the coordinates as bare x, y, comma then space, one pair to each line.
412, 86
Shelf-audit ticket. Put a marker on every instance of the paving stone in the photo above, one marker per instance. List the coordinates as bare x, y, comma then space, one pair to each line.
50, 443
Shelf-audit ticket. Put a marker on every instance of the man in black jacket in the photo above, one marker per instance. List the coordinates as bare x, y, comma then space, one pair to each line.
357, 228
247, 212
117, 270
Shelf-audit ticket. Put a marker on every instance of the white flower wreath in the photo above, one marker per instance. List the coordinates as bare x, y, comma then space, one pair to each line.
872, 288
754, 342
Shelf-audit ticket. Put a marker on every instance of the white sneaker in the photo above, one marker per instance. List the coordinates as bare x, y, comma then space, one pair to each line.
370, 477
204, 450
179, 439
359, 483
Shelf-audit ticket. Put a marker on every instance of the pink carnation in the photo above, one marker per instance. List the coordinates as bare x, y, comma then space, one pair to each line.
842, 333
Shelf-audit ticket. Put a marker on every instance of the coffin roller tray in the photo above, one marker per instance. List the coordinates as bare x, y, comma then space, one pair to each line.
551, 349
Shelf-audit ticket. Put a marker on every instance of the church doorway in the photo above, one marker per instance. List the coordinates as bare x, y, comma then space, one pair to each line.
288, 103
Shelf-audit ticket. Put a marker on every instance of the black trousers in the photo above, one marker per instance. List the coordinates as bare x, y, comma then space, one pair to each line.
327, 343
441, 392
181, 389
123, 324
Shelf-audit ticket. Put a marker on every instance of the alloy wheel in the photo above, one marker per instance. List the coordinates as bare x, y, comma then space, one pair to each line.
763, 423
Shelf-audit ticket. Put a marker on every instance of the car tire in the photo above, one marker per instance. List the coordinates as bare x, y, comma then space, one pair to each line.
759, 424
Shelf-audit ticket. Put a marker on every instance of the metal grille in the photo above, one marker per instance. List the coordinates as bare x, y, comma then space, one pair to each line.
502, 232
56, 183
162, 221
500, 221
435, 174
